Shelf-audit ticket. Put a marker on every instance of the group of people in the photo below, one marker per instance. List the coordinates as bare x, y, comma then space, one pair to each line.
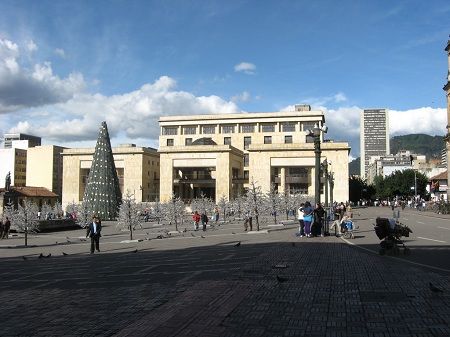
5, 226
311, 220
203, 218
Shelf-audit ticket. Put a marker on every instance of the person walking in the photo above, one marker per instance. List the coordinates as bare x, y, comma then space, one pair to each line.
248, 221
1, 228
301, 228
6, 227
196, 218
307, 218
204, 219
216, 215
93, 231
319, 216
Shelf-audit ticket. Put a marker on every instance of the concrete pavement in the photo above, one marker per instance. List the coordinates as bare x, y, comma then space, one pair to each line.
205, 286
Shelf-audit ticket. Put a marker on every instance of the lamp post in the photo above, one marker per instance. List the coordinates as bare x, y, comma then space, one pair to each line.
325, 176
331, 178
315, 132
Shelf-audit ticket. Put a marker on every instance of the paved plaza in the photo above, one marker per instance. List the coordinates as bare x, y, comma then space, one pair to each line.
202, 284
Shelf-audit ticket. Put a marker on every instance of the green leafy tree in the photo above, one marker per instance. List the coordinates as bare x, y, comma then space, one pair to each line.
400, 183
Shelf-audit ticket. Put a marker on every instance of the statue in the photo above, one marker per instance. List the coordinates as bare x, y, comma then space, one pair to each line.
8, 181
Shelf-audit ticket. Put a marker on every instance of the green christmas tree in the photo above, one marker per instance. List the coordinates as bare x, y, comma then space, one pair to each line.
102, 190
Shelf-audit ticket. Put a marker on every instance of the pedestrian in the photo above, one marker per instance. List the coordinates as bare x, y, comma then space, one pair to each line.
307, 218
342, 210
94, 232
319, 217
196, 218
1, 228
204, 219
6, 227
248, 221
301, 228
216, 215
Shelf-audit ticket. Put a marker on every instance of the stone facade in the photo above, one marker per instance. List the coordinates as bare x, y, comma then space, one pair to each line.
137, 168
266, 147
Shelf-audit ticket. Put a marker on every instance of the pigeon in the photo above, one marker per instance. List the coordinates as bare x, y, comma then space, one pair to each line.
435, 289
82, 239
65, 254
68, 241
281, 279
233, 233
67, 238
40, 256
24, 258
237, 244
185, 230
192, 234
202, 237
135, 251
159, 237
49, 255
56, 242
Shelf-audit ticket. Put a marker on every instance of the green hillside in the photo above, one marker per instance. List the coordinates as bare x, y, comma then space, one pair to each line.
431, 146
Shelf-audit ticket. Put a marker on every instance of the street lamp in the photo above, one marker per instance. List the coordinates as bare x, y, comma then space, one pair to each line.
315, 132
326, 176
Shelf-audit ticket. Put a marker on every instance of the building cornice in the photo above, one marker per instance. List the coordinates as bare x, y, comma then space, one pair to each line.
200, 148
115, 150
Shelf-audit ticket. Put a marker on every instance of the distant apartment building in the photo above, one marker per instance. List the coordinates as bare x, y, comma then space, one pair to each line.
447, 93
137, 169
220, 155
374, 136
44, 167
20, 140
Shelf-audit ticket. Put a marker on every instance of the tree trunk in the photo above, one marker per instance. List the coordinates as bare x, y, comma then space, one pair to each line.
26, 237
131, 232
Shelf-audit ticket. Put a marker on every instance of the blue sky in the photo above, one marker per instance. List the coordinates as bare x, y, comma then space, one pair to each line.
67, 65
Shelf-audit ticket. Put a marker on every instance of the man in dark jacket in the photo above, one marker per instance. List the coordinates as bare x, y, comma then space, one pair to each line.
93, 231
319, 217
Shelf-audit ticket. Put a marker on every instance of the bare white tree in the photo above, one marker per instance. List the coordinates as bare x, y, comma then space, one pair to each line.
46, 211
84, 214
174, 211
25, 219
223, 206
254, 199
57, 210
129, 213
72, 208
238, 205
272, 202
157, 211
202, 204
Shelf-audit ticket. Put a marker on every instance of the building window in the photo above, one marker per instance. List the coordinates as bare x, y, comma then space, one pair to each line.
209, 130
188, 141
268, 127
288, 127
247, 142
248, 128
246, 160
169, 142
169, 130
288, 139
267, 139
189, 130
228, 129
227, 140
246, 174
308, 126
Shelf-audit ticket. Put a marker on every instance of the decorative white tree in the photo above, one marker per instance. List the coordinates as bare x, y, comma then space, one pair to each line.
25, 219
202, 204
272, 202
72, 208
223, 206
46, 211
57, 210
129, 213
254, 198
157, 211
238, 205
84, 214
173, 211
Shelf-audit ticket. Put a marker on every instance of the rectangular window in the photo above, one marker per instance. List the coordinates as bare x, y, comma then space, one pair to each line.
308, 126
246, 159
169, 130
228, 129
268, 127
189, 130
288, 127
169, 142
226, 140
247, 142
209, 129
248, 128
246, 174
188, 141
267, 139
288, 139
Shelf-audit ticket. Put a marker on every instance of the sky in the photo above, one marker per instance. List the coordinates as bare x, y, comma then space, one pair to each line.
66, 66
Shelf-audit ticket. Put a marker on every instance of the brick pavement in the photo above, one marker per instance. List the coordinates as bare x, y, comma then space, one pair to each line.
208, 287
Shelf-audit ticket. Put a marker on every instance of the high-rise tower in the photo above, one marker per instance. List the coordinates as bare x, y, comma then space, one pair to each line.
447, 93
102, 191
374, 136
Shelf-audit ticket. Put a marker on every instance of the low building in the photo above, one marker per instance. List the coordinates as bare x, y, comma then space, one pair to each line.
137, 170
220, 155
438, 186
16, 196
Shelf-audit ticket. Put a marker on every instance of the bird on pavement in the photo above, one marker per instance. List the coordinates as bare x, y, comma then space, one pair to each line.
192, 234
68, 241
82, 239
233, 233
185, 230
435, 289
65, 254
49, 255
40, 256
24, 258
135, 251
159, 237
202, 237
237, 244
281, 279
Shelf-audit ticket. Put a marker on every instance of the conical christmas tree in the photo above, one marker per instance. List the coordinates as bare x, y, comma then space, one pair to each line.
102, 190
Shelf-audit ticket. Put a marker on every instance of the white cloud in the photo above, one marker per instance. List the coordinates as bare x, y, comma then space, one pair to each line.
60, 52
21, 87
242, 97
132, 115
31, 46
245, 67
431, 121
